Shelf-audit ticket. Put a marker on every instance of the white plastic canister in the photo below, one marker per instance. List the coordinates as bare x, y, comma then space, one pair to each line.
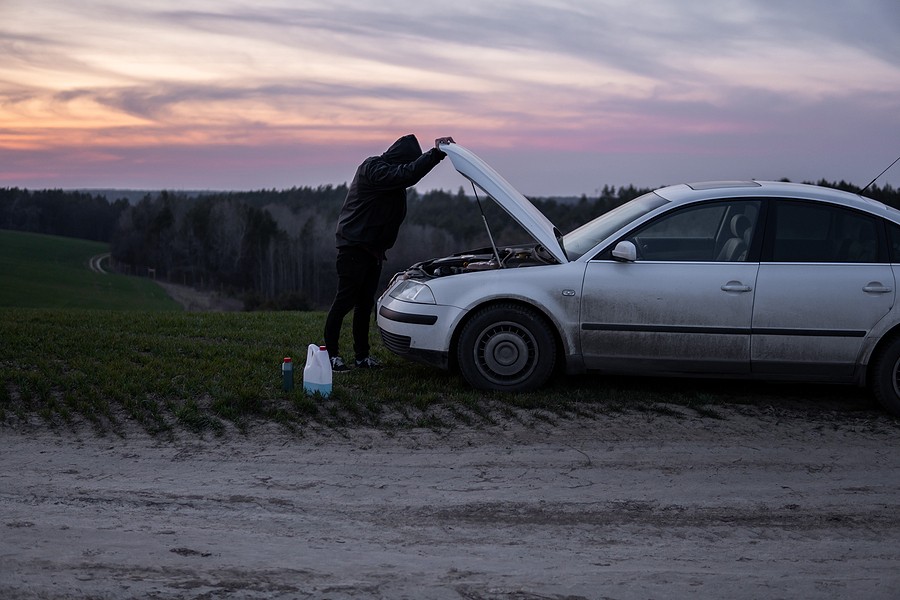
317, 372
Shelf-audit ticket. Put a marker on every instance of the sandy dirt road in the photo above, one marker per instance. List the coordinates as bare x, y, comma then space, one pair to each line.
757, 504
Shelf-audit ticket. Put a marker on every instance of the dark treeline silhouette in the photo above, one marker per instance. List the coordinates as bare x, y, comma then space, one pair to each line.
270, 247
58, 212
275, 248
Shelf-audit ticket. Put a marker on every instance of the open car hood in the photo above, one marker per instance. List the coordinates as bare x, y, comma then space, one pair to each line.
504, 194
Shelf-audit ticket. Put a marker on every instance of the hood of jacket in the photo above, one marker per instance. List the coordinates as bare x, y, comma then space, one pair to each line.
405, 150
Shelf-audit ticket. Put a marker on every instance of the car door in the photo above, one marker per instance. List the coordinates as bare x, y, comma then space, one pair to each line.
685, 303
825, 281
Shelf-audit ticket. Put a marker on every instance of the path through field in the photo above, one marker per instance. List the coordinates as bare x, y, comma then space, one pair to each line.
96, 263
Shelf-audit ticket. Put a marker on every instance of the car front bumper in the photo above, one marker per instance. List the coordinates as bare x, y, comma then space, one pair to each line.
419, 332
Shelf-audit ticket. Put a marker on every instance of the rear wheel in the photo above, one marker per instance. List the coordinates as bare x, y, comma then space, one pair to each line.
506, 347
885, 382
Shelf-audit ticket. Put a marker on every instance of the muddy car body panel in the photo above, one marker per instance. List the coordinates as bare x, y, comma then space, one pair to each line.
431, 343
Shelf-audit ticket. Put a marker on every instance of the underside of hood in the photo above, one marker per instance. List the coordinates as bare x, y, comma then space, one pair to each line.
504, 194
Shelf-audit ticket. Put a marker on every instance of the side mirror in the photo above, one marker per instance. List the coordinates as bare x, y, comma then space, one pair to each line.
625, 251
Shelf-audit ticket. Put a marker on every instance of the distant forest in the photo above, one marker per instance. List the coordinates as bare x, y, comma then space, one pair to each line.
275, 249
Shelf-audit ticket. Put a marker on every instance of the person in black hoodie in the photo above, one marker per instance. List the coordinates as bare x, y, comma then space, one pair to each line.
367, 227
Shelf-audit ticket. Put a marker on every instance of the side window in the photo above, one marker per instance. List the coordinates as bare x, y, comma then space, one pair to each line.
717, 231
806, 232
894, 241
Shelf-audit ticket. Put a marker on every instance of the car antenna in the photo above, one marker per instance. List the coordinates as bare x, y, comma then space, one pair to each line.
486, 226
879, 175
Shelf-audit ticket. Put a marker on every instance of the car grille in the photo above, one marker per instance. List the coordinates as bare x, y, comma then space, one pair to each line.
398, 344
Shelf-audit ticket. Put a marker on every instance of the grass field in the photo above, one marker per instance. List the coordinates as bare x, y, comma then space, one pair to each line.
198, 371
43, 271
213, 371
69, 354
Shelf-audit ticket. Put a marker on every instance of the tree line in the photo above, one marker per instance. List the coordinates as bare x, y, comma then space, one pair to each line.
57, 212
275, 248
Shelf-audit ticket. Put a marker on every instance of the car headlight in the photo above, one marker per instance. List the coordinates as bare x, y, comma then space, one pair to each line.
413, 291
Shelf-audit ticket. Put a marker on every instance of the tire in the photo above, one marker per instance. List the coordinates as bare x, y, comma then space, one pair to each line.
506, 347
885, 382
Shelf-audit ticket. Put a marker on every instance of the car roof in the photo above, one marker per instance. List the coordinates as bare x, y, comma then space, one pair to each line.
685, 193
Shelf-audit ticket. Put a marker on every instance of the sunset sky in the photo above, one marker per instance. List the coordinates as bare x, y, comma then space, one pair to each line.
561, 97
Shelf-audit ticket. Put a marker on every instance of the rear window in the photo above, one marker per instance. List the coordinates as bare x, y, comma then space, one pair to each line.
806, 232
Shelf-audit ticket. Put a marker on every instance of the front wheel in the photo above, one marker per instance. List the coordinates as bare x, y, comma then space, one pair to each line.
885, 381
506, 347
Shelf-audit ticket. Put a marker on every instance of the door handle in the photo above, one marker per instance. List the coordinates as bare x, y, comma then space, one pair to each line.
876, 287
736, 286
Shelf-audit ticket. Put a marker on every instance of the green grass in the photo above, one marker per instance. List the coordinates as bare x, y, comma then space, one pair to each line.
210, 372
158, 368
43, 271
78, 347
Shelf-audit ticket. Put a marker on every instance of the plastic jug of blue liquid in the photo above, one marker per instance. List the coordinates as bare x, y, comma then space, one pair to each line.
317, 371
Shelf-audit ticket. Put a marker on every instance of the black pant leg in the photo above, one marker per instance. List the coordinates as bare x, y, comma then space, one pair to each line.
362, 311
358, 273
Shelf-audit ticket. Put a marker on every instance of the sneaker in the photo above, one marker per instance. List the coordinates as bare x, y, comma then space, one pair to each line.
368, 363
338, 366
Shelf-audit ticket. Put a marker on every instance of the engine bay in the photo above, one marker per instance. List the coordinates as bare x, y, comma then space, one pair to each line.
482, 259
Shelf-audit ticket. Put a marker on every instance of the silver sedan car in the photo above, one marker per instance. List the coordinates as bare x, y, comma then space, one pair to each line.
744, 279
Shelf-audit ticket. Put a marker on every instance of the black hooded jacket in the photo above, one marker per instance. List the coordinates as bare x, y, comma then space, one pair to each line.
376, 201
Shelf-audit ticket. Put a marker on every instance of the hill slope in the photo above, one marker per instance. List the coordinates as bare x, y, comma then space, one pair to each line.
43, 271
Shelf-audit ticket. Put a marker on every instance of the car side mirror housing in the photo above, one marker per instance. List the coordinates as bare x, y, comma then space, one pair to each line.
625, 252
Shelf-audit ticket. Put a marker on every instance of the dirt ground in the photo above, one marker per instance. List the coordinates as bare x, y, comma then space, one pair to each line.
760, 503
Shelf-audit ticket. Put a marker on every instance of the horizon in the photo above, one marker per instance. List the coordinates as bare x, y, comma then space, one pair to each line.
559, 97
107, 190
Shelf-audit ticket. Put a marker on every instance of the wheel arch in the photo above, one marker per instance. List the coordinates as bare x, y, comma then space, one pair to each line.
507, 301
885, 341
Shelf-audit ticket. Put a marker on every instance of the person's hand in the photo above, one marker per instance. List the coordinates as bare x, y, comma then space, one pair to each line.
437, 146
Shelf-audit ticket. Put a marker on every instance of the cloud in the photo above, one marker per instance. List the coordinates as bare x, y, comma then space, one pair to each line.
201, 80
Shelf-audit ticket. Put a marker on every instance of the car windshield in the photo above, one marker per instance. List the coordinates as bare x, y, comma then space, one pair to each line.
590, 234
